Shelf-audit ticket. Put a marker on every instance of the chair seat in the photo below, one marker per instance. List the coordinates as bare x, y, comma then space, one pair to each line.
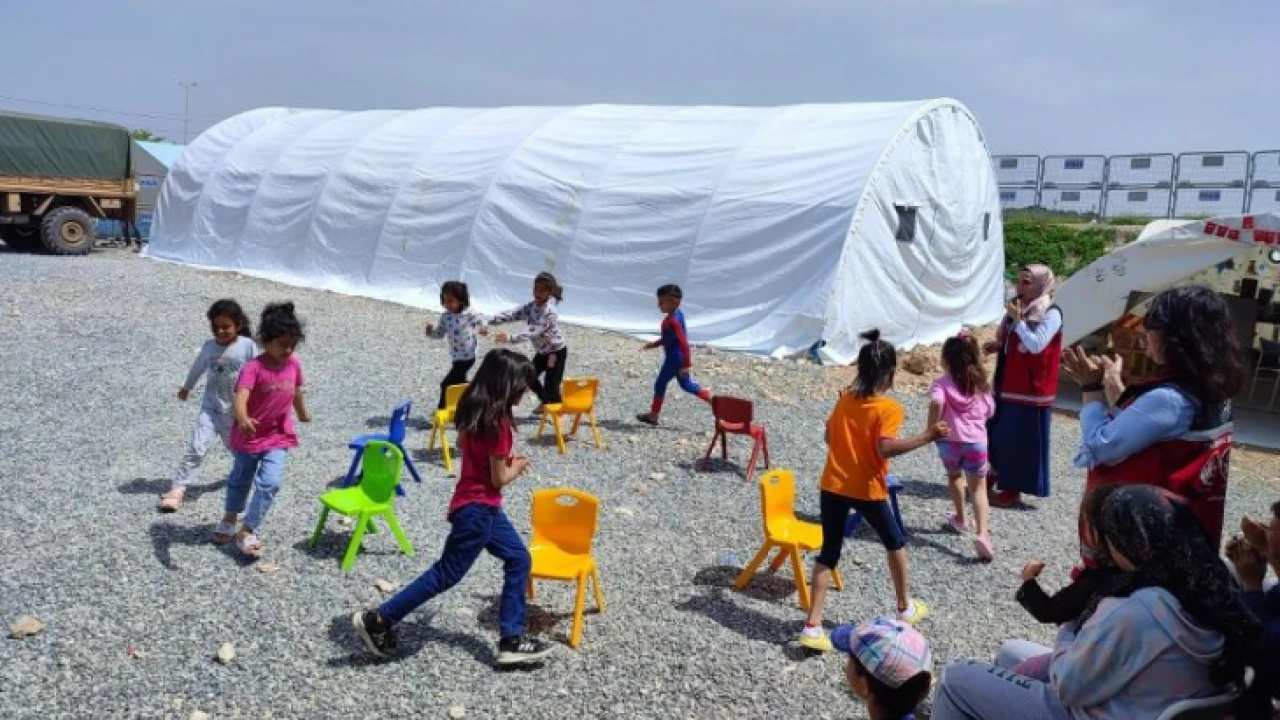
568, 409
733, 428
443, 417
360, 442
552, 562
351, 501
806, 535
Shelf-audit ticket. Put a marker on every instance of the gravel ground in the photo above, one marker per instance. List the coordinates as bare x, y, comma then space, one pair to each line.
136, 604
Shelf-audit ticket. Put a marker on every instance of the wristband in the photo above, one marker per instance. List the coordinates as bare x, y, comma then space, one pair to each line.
1091, 387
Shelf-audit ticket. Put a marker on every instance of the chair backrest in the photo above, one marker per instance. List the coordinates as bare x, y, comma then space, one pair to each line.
732, 411
777, 501
382, 463
452, 395
579, 393
399, 422
565, 518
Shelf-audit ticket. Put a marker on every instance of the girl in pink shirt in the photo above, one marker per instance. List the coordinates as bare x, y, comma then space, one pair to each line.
269, 388
962, 399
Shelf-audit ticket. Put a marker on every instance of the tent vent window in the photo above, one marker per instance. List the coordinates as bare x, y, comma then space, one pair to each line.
906, 222
986, 226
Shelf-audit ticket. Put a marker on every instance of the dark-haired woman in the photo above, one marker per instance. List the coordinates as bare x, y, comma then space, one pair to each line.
861, 437
1168, 627
1029, 351
1172, 429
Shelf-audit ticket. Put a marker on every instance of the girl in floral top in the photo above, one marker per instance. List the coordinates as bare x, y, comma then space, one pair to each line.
459, 323
543, 330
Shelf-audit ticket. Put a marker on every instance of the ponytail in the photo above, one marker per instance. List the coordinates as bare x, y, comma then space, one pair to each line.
877, 362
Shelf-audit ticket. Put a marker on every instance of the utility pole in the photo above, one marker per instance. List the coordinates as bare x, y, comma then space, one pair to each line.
186, 107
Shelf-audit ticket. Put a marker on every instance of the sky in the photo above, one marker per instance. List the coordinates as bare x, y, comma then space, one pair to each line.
1042, 76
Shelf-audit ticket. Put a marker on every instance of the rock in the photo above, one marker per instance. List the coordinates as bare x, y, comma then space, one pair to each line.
628, 512
269, 567
177, 703
657, 477
633, 438
457, 712
346, 523
226, 653
386, 587
24, 627
199, 715
640, 489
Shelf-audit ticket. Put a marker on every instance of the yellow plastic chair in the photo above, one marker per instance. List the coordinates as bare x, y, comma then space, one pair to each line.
577, 398
783, 531
443, 419
374, 497
564, 526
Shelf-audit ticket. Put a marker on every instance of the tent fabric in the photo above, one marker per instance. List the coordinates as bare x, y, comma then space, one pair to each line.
778, 223
1164, 254
38, 146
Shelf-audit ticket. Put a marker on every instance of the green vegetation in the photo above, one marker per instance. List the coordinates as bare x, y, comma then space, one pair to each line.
1063, 248
1047, 215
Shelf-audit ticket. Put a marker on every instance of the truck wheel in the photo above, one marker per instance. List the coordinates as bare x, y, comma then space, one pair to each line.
68, 231
21, 239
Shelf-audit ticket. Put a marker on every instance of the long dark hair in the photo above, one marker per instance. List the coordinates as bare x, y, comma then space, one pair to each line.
231, 309
877, 362
279, 320
498, 386
1170, 549
548, 281
963, 358
1200, 346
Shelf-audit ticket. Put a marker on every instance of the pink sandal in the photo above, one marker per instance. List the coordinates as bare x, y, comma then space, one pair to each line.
982, 546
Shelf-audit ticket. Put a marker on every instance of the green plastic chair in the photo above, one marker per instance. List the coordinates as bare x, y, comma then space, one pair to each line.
373, 497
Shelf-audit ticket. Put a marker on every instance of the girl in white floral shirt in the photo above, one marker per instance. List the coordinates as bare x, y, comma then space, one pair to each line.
459, 324
543, 331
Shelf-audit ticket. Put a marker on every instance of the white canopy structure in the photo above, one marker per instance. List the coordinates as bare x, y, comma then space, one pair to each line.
1164, 254
784, 226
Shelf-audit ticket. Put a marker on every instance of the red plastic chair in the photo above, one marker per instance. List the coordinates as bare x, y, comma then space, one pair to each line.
734, 417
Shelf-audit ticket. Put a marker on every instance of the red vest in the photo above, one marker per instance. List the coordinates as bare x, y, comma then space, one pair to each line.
1193, 467
1029, 378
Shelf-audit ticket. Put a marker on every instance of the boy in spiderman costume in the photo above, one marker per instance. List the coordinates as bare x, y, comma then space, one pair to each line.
678, 359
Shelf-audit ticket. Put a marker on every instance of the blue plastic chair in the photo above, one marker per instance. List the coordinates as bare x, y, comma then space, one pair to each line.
395, 435
855, 520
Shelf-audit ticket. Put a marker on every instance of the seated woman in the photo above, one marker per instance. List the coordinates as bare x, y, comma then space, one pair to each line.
1173, 429
1251, 554
1169, 627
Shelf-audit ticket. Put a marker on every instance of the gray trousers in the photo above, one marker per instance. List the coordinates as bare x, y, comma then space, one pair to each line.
210, 425
973, 690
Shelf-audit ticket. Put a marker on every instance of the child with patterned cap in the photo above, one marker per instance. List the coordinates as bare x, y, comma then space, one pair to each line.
890, 666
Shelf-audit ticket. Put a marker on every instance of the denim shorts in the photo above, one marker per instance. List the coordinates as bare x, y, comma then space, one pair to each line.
969, 458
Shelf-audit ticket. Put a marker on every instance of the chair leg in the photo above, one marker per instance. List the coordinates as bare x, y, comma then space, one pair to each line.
749, 571
778, 559
751, 463
354, 547
542, 423
555, 424
579, 603
706, 459
577, 420
431, 441
724, 446
528, 591
392, 522
595, 585
802, 584
852, 524
764, 445
595, 430
837, 580
324, 516
897, 514
350, 479
408, 463
444, 450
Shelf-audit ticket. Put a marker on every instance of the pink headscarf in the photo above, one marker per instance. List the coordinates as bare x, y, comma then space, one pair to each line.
1042, 285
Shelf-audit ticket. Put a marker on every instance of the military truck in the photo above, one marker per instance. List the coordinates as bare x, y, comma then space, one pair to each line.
58, 177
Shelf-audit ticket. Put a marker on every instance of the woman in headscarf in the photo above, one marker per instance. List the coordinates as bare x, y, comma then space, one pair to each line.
1168, 627
1173, 428
1029, 351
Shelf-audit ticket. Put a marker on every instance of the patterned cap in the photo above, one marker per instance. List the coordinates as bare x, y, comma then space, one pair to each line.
892, 651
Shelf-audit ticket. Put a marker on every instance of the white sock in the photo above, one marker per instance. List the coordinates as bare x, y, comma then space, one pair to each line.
814, 631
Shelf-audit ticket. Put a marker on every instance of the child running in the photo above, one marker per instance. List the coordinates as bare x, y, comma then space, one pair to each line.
890, 666
269, 387
222, 358
862, 435
488, 465
677, 360
962, 398
544, 332
459, 323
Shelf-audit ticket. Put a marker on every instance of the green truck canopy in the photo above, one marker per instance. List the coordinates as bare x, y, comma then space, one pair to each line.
35, 146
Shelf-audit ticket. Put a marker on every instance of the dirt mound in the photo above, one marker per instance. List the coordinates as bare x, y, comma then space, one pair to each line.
919, 366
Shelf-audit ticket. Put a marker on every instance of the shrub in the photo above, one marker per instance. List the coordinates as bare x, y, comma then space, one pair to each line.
1064, 249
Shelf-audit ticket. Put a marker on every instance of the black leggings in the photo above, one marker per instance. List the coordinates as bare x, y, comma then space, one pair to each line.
548, 390
457, 376
835, 511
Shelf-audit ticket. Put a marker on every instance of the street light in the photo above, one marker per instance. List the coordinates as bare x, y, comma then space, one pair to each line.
186, 106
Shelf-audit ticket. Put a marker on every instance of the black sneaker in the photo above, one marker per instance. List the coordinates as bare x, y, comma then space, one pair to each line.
379, 638
648, 419
522, 651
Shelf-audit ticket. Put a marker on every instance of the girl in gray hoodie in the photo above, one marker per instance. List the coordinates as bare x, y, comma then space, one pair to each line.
1167, 628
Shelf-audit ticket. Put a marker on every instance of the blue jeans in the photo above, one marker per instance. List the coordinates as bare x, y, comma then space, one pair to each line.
476, 527
261, 472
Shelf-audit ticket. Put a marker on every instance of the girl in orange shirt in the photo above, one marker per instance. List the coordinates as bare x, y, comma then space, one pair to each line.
862, 435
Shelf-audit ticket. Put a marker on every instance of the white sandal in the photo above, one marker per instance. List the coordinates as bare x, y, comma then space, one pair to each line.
224, 533
250, 545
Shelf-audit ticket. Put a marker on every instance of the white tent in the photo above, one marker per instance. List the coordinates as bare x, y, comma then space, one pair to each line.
1164, 254
779, 223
